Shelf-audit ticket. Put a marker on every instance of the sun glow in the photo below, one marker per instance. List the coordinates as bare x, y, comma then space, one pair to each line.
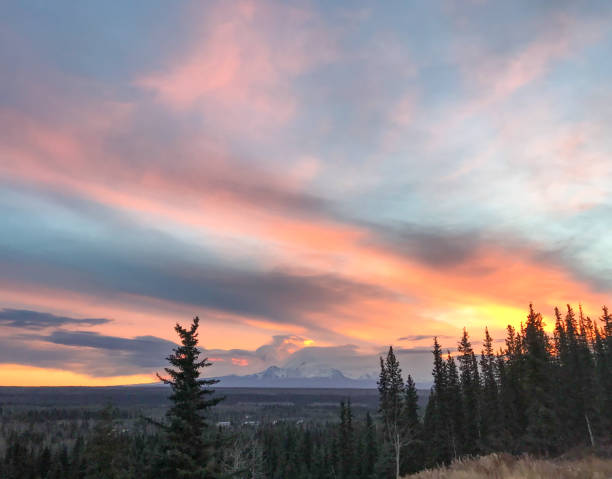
20, 375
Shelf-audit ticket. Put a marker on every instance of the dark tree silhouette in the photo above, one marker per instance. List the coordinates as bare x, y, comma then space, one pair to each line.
490, 393
470, 389
188, 453
391, 391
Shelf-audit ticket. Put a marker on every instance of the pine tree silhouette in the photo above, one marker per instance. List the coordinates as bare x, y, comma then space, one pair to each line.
188, 453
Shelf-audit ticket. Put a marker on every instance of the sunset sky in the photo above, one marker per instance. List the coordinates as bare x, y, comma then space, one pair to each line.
315, 180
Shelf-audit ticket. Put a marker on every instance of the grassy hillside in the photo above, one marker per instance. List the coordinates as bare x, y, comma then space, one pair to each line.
505, 466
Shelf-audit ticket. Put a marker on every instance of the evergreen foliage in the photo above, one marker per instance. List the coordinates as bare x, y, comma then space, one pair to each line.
490, 407
346, 442
105, 456
188, 452
541, 393
399, 413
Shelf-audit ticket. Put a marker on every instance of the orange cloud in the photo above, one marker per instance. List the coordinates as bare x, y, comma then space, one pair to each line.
313, 243
240, 362
240, 77
135, 315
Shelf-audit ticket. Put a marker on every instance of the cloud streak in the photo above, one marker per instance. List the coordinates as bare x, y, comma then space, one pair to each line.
26, 319
327, 177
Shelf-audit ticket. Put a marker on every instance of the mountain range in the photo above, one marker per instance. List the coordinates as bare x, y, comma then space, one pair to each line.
300, 377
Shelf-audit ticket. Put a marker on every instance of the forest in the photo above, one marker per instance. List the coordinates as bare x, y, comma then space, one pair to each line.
542, 393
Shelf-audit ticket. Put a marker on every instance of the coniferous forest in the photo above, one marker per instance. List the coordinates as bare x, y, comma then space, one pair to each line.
542, 393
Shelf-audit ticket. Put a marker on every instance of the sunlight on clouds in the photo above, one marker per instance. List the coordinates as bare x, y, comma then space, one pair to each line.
296, 175
240, 362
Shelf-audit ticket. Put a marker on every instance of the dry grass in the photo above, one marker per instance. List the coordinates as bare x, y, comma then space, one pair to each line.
505, 466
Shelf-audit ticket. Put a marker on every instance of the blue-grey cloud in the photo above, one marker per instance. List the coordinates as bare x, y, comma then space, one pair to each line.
420, 337
26, 319
437, 131
127, 258
87, 352
438, 248
420, 350
141, 351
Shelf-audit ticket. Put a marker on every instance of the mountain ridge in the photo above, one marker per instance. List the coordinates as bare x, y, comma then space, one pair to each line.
313, 377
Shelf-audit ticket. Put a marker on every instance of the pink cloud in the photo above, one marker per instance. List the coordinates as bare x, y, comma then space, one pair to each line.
235, 65
559, 165
242, 62
491, 78
305, 245
500, 76
240, 362
58, 156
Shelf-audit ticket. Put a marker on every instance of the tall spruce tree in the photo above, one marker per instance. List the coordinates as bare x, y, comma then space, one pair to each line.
604, 366
391, 392
490, 413
411, 406
470, 389
371, 448
412, 456
507, 425
453, 403
543, 424
188, 453
347, 467
436, 420
582, 379
513, 395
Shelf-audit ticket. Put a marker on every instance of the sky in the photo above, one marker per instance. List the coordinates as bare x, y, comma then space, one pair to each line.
315, 180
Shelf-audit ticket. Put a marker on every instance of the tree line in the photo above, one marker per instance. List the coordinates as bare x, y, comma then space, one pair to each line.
539, 393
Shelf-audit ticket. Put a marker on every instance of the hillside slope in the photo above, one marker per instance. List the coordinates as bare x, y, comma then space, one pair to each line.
505, 466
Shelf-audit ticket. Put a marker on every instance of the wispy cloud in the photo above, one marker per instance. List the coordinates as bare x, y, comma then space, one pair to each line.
26, 319
308, 172
244, 59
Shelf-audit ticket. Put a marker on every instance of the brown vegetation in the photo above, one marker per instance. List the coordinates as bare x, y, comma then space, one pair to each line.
505, 466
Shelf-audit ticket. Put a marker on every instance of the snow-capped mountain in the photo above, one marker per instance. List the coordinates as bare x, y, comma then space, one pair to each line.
303, 371
306, 376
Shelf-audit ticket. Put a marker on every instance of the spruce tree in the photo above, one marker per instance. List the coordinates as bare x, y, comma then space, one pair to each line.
436, 420
604, 380
439, 370
106, 451
543, 424
347, 442
391, 391
577, 379
490, 413
507, 424
411, 406
383, 387
371, 447
453, 403
605, 364
586, 377
514, 398
412, 457
470, 389
188, 453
